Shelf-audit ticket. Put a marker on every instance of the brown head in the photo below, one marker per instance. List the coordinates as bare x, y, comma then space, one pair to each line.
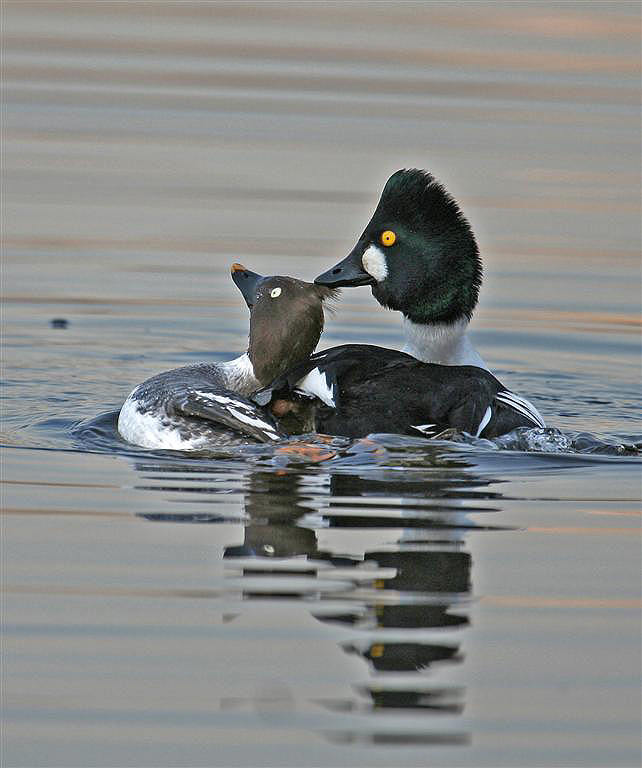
286, 320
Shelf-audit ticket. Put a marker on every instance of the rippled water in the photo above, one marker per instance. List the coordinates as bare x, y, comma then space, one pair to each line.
388, 601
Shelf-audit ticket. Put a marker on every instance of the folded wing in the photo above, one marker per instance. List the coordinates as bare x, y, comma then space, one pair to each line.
227, 409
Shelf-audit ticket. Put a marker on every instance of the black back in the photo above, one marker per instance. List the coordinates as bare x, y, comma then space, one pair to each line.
383, 390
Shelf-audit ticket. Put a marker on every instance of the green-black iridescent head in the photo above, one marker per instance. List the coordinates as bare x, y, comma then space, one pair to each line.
418, 252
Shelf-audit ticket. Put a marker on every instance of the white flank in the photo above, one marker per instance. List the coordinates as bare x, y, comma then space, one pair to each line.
521, 405
484, 421
374, 263
316, 384
243, 417
147, 431
443, 343
425, 429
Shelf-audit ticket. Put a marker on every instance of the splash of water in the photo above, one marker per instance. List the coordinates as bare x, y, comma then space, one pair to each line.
549, 440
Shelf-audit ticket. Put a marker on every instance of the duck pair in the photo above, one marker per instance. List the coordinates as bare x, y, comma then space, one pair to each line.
419, 255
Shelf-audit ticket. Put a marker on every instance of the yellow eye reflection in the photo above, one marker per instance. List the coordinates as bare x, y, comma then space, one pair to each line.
388, 237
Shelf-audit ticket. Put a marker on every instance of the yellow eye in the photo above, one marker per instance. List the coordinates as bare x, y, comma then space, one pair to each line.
388, 237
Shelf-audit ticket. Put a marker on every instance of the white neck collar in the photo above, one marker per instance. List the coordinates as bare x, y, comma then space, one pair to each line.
239, 374
444, 343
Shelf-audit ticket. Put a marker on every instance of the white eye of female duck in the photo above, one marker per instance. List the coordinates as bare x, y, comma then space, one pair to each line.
388, 238
275, 292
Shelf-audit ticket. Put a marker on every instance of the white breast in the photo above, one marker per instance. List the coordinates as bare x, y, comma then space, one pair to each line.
443, 343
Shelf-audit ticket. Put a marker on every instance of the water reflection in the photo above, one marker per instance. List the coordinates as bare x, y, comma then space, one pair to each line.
403, 603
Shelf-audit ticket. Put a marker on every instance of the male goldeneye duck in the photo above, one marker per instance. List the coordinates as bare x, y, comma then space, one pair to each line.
419, 254
205, 404
360, 389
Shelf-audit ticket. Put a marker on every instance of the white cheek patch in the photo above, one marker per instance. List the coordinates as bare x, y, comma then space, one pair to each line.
374, 263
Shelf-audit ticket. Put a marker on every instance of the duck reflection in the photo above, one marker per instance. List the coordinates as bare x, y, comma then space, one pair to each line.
272, 504
403, 601
428, 577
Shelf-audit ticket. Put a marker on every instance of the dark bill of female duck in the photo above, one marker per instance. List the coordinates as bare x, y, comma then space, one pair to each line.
247, 282
286, 318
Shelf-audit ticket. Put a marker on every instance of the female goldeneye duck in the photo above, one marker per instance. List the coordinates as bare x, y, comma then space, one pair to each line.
360, 389
205, 404
419, 254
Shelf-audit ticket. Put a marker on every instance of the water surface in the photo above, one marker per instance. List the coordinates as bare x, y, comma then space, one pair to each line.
398, 602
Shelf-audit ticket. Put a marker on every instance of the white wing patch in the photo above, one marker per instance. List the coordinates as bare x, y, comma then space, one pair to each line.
521, 405
221, 399
316, 384
243, 417
484, 421
425, 429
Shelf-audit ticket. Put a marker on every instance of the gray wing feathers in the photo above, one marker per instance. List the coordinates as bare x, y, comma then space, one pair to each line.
229, 410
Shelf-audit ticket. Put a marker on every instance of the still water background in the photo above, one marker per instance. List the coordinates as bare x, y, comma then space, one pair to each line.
403, 603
